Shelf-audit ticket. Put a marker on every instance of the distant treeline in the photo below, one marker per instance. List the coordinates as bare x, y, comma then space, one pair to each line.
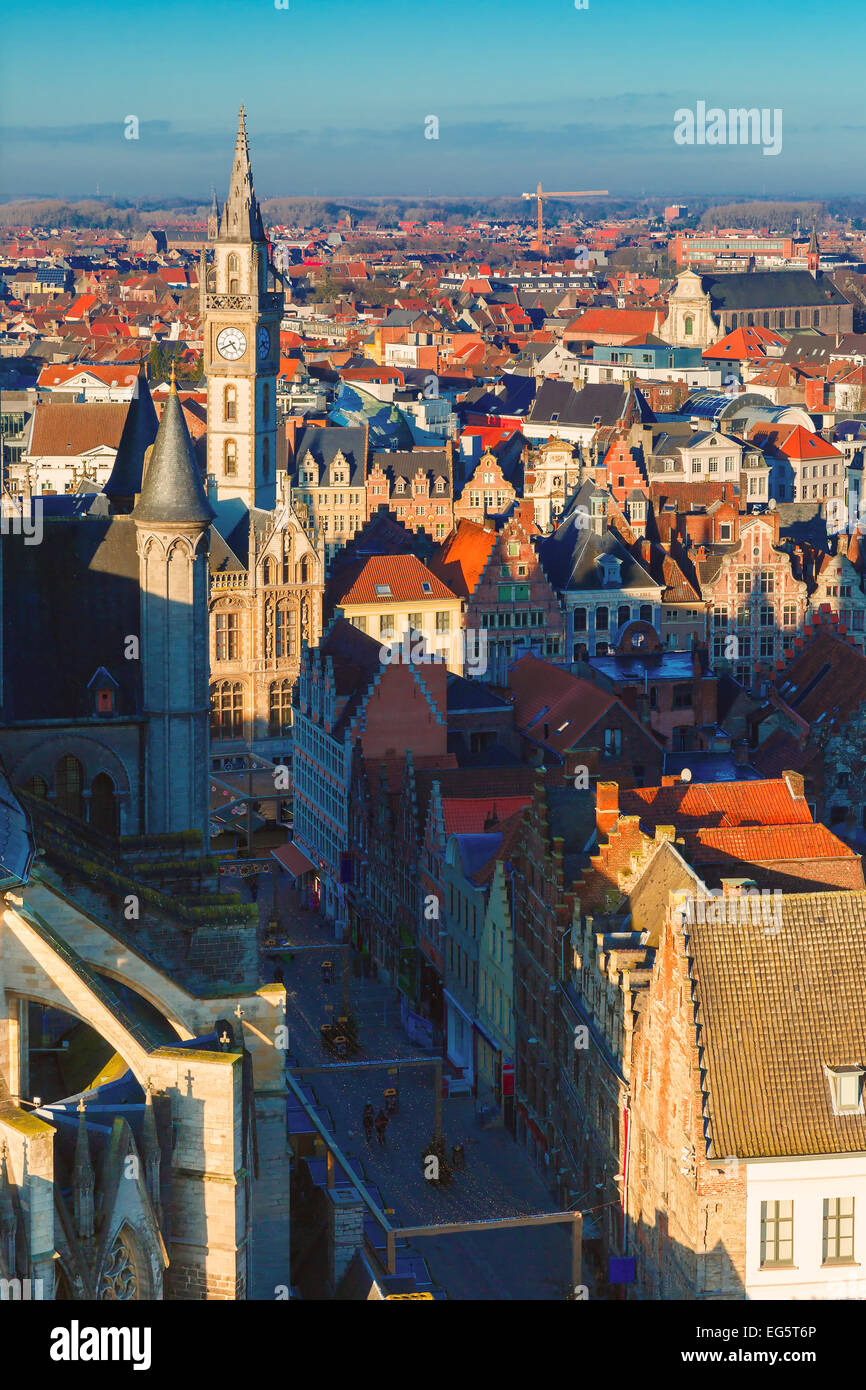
780, 217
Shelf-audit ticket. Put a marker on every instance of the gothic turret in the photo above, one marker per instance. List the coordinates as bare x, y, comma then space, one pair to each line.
172, 518
172, 490
139, 432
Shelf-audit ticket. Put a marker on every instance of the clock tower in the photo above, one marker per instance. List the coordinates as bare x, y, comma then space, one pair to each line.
241, 308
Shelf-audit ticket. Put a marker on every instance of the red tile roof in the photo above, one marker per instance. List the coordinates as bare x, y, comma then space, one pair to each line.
469, 817
546, 697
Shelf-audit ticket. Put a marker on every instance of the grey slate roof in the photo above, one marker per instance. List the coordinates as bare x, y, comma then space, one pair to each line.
172, 492
770, 289
570, 556
323, 444
605, 402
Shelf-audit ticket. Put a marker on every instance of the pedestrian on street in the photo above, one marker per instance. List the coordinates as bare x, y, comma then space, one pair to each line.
369, 1113
381, 1123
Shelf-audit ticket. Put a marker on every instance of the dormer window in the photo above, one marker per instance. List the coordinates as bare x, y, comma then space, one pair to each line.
846, 1089
103, 692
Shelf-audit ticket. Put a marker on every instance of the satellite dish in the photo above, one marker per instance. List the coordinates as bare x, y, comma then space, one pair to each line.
686, 775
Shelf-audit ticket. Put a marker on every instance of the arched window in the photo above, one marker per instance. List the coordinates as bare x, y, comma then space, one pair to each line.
766, 320
280, 720
689, 326
69, 783
103, 804
230, 403
302, 571
234, 269
797, 318
751, 320
230, 458
733, 320
284, 635
266, 403
37, 786
269, 570
227, 710
266, 458
646, 613
623, 615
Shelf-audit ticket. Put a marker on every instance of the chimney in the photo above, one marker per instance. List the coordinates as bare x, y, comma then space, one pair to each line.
794, 783
606, 807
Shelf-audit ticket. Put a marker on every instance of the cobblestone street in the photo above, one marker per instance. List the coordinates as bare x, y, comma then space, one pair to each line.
498, 1179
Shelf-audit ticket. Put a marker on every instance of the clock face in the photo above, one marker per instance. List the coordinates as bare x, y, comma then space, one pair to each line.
231, 344
263, 342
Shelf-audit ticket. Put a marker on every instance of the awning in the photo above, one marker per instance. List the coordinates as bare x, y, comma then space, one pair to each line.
293, 860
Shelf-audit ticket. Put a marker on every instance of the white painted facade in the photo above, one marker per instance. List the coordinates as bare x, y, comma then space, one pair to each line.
807, 1183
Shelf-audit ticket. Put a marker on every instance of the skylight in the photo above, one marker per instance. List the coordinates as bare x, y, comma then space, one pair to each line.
383, 590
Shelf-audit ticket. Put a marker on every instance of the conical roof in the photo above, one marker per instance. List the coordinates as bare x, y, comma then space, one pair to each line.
241, 218
172, 492
139, 432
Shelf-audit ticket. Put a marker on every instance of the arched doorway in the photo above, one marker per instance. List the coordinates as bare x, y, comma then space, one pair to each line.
103, 805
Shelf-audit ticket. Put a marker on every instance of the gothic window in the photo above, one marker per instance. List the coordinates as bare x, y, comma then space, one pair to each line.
37, 786
230, 458
266, 403
302, 571
227, 710
280, 720
234, 270
120, 1281
285, 631
230, 403
103, 805
226, 636
269, 570
69, 783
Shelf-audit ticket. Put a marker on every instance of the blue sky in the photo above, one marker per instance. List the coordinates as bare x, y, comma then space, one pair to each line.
337, 93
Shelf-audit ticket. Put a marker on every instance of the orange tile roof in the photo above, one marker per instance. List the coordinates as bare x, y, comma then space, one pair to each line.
463, 557
404, 576
698, 805
758, 843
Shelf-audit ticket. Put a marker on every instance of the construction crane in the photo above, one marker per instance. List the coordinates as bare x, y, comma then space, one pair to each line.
586, 193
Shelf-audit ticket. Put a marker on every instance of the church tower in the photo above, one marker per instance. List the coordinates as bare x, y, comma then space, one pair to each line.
172, 518
241, 308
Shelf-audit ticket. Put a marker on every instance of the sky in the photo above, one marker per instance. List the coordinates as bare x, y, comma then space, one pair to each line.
339, 95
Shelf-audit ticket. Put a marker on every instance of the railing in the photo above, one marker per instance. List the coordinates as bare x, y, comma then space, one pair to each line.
230, 580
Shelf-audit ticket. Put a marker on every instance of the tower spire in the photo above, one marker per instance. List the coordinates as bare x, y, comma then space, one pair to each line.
241, 219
